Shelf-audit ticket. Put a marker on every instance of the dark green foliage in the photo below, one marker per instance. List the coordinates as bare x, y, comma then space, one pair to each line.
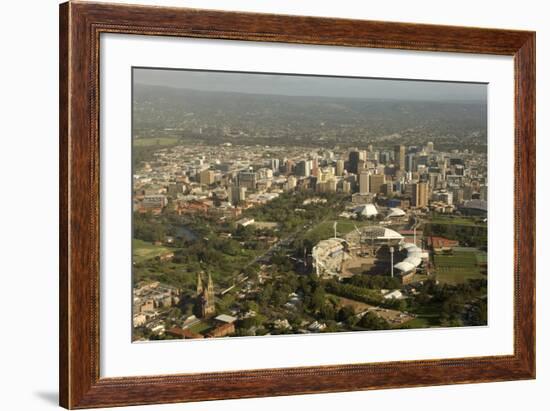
450, 302
371, 321
353, 292
375, 282
346, 313
148, 228
478, 313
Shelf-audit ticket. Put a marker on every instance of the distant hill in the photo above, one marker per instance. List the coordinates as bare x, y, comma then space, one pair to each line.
275, 116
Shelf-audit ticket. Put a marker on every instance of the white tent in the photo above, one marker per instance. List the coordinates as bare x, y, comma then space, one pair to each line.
367, 210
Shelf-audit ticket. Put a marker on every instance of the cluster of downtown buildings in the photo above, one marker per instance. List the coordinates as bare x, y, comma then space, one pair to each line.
225, 179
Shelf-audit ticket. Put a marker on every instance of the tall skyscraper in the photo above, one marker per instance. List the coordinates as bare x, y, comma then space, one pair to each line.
274, 164
364, 182
420, 194
303, 168
376, 182
410, 162
399, 154
315, 167
340, 167
354, 157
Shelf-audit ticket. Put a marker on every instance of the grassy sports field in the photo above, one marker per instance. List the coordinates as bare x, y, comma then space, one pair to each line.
459, 267
144, 251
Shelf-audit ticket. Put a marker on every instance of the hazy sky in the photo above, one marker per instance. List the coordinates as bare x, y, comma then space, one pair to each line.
292, 85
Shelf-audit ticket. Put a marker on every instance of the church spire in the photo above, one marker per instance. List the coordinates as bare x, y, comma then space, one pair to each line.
210, 287
200, 287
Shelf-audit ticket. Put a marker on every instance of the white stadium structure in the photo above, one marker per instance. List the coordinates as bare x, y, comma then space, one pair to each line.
395, 213
329, 256
366, 210
415, 257
374, 235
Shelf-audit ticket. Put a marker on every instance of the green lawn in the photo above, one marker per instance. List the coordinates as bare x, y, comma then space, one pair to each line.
144, 251
458, 267
160, 141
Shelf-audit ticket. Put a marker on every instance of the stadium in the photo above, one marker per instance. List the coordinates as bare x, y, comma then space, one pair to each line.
370, 250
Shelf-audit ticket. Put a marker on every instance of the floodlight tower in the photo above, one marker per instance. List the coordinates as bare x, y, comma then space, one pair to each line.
391, 259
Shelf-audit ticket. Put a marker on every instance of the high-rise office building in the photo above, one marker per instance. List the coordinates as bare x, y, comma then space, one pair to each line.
420, 194
340, 167
274, 164
376, 182
315, 167
399, 154
238, 194
354, 157
248, 179
207, 177
303, 168
364, 182
410, 162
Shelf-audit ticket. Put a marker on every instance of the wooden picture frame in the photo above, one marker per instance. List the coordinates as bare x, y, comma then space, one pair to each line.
80, 27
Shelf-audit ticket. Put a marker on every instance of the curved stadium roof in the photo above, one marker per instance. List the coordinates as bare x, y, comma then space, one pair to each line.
381, 233
413, 260
405, 266
395, 212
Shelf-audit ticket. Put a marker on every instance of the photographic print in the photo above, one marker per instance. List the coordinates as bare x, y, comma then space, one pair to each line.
269, 204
